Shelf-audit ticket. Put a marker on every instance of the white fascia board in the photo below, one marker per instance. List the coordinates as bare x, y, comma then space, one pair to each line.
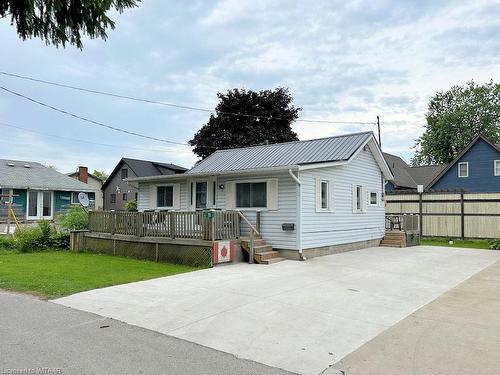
184, 176
322, 165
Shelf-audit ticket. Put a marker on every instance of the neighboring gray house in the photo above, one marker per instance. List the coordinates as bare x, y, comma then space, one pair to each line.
39, 192
117, 192
314, 197
406, 177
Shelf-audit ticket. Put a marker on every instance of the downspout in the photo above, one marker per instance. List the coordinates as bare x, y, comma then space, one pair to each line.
299, 213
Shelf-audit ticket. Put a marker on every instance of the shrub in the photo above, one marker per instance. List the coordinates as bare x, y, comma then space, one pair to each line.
60, 240
41, 237
495, 244
6, 243
131, 206
30, 239
75, 219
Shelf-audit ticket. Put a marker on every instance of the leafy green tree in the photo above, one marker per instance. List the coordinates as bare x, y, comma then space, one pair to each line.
103, 176
275, 115
131, 206
62, 21
454, 118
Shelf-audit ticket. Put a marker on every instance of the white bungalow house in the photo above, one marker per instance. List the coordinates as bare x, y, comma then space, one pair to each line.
307, 198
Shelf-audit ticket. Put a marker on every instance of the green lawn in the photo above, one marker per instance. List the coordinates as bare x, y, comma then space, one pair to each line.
473, 244
52, 274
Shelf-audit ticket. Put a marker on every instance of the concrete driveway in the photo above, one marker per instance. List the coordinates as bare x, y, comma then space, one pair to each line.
299, 316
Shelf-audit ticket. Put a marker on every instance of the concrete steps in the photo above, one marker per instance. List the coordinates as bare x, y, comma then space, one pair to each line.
263, 253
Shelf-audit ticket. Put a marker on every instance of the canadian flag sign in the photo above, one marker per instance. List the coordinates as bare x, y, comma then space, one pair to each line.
223, 251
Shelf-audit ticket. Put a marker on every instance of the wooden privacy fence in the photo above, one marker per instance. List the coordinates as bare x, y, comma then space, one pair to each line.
200, 225
464, 215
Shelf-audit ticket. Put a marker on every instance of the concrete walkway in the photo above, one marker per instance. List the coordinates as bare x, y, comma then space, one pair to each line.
299, 316
458, 333
37, 335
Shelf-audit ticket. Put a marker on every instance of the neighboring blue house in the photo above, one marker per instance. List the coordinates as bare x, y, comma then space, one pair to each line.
39, 192
475, 169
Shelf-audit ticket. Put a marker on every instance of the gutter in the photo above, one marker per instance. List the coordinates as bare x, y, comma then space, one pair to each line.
299, 213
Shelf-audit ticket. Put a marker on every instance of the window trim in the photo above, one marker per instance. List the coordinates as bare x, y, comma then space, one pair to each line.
156, 197
235, 182
320, 207
376, 198
466, 163
73, 193
121, 173
362, 199
125, 197
265, 181
112, 198
495, 167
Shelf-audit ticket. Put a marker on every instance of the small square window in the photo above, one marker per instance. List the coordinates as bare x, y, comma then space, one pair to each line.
497, 168
124, 196
124, 173
463, 169
113, 198
373, 198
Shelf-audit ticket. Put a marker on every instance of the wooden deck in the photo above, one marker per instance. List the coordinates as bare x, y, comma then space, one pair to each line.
207, 225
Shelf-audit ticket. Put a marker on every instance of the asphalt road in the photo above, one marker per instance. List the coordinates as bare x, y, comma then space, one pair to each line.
36, 335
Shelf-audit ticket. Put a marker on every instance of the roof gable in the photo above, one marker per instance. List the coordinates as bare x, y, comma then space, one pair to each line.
144, 168
459, 156
32, 175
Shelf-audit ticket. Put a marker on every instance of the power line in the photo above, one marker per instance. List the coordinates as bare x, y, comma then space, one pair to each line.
78, 140
174, 105
89, 120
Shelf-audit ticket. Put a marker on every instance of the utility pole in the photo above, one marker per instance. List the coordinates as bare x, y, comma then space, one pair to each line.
378, 128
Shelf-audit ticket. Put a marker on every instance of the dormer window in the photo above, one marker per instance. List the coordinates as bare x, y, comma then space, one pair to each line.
463, 169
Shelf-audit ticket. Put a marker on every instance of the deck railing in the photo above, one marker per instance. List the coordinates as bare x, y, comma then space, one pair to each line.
407, 223
199, 225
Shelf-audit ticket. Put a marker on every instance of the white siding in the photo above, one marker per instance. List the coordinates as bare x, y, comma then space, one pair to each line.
271, 220
145, 200
342, 226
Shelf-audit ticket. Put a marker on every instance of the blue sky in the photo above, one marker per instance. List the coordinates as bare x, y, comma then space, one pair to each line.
346, 61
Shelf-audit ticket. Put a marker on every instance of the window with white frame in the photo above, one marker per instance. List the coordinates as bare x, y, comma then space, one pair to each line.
373, 198
251, 194
359, 198
74, 198
496, 167
164, 196
463, 169
324, 195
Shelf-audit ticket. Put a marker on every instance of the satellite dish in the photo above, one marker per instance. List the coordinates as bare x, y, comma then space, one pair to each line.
83, 198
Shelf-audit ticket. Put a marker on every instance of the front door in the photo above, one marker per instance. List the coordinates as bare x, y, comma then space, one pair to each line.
39, 205
201, 194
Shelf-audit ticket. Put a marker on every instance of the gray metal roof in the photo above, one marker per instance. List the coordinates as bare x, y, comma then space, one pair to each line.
20, 174
282, 154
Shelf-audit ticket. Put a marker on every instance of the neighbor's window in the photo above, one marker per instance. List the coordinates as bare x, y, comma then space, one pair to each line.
124, 196
165, 196
373, 198
497, 167
463, 169
324, 195
74, 198
124, 173
251, 194
113, 198
359, 193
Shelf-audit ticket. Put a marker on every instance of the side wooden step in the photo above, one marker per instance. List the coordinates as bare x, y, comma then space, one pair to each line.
263, 253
